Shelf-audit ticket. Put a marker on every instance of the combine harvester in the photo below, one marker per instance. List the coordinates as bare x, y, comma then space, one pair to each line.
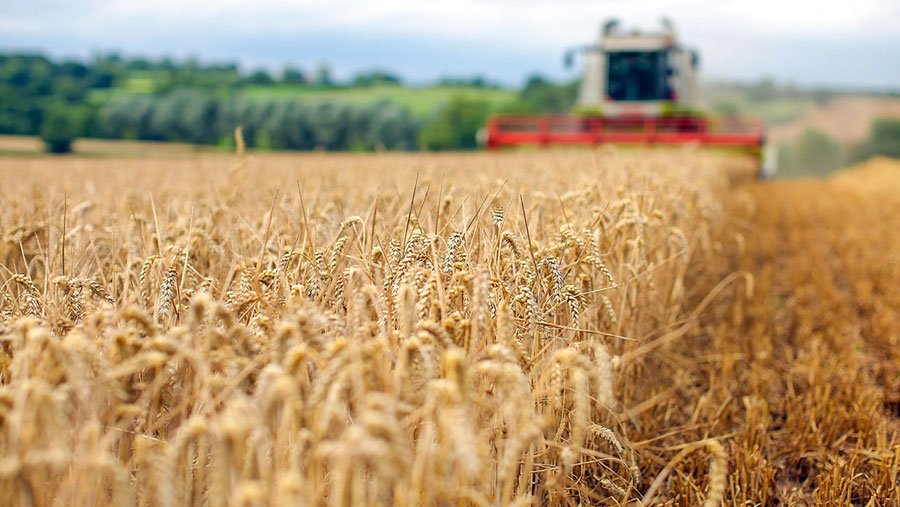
638, 88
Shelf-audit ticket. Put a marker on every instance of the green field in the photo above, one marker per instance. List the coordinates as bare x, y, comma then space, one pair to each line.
419, 100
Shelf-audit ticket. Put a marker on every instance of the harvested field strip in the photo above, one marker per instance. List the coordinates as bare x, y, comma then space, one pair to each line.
822, 341
803, 378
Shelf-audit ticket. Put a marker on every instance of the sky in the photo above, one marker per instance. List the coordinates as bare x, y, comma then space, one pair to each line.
847, 43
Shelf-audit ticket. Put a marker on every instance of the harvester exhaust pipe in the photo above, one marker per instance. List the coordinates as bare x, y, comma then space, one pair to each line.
609, 26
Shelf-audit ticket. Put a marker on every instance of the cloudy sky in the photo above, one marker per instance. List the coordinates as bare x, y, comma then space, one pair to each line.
811, 42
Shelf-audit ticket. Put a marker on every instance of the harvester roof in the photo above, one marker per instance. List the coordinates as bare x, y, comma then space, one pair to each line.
636, 41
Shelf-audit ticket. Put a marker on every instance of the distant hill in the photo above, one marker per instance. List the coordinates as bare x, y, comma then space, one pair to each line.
845, 119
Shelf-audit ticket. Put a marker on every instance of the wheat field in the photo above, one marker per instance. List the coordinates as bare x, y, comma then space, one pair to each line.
553, 328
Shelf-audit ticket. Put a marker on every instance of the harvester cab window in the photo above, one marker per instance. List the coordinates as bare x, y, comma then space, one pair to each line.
637, 76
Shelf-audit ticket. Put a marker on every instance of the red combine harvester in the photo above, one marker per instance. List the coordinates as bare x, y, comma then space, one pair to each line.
638, 88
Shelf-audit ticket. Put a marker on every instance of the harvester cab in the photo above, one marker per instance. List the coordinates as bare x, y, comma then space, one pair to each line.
637, 73
637, 88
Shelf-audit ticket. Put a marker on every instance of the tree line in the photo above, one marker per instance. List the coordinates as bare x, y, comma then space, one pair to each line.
199, 103
197, 117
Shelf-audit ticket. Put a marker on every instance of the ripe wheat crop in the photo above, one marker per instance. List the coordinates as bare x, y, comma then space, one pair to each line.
514, 329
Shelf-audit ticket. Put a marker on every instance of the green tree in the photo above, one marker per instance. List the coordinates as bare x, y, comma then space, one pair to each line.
541, 95
884, 140
260, 78
814, 153
293, 75
391, 127
61, 126
185, 115
69, 88
376, 77
548, 97
455, 125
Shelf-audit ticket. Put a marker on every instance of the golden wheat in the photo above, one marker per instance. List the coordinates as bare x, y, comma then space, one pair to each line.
515, 329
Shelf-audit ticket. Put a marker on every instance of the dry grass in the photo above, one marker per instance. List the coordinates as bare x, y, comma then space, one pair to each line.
33, 146
518, 329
